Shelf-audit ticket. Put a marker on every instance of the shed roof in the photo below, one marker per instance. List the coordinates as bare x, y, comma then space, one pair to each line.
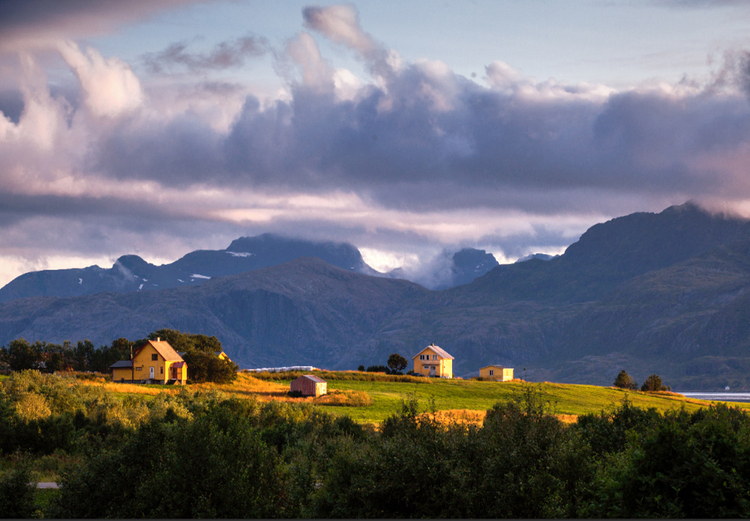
498, 366
440, 351
122, 364
314, 378
166, 351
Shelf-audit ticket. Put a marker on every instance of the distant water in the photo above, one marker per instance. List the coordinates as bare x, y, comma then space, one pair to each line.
723, 397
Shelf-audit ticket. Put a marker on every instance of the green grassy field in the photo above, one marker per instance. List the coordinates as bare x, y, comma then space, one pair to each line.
568, 399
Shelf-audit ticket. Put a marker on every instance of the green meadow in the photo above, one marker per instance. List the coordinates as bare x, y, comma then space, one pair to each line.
458, 395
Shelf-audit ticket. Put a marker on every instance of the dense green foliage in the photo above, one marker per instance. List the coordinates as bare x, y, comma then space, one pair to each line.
397, 363
200, 353
653, 383
192, 455
625, 381
20, 355
17, 494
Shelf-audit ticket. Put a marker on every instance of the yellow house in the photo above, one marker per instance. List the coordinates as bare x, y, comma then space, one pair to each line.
497, 373
155, 361
433, 361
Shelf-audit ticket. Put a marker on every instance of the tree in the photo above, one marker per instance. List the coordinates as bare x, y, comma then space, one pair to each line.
17, 492
625, 381
397, 363
185, 341
653, 383
207, 367
22, 355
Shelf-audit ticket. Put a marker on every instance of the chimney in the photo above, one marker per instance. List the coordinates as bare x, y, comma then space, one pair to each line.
158, 339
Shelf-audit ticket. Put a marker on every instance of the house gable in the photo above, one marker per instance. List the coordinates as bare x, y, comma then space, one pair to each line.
433, 361
156, 360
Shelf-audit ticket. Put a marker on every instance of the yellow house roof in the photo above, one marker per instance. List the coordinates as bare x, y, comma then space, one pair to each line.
165, 350
497, 366
437, 350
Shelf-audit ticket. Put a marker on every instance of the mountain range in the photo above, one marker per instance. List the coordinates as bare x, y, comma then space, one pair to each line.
665, 293
132, 273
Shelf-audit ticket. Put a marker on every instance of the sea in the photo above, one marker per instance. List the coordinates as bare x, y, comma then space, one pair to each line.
720, 396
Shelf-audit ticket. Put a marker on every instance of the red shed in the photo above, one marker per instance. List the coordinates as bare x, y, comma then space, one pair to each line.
310, 385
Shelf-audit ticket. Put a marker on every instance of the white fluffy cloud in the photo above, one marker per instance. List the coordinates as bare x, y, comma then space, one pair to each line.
109, 86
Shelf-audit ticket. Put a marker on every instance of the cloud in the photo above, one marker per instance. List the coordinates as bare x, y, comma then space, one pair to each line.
340, 24
109, 86
224, 55
412, 158
698, 4
42, 23
316, 72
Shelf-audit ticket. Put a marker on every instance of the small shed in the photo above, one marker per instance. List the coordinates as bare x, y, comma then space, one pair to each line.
122, 371
309, 385
497, 373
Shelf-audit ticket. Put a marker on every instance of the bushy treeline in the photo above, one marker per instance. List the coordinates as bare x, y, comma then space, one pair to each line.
46, 357
199, 353
203, 455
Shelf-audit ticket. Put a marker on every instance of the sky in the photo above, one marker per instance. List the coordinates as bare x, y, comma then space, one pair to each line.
158, 127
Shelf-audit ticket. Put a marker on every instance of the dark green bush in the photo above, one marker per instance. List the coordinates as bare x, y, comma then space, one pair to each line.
687, 465
17, 492
215, 466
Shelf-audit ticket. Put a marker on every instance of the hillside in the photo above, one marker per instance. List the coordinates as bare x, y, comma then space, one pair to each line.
131, 273
302, 312
663, 293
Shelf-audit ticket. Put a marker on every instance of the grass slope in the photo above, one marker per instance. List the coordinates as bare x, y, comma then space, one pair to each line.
388, 393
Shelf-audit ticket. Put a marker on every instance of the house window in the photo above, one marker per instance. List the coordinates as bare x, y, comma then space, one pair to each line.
154, 358
161, 370
434, 357
421, 357
139, 368
492, 372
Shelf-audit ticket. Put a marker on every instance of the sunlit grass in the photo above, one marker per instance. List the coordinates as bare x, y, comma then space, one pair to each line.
385, 397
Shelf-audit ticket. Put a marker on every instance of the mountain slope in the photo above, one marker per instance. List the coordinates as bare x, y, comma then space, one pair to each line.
626, 296
305, 311
131, 273
608, 254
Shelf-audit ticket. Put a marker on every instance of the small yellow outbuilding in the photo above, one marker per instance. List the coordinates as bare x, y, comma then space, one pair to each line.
498, 373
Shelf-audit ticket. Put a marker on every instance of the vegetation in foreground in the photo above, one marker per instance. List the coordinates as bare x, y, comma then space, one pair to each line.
283, 459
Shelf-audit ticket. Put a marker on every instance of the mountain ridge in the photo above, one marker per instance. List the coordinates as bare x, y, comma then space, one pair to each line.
678, 312
132, 273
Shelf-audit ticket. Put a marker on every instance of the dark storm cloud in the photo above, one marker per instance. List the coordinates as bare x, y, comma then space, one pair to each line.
224, 55
28, 21
437, 138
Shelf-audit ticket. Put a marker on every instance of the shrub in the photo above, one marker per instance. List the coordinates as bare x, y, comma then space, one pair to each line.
653, 383
687, 465
397, 363
17, 492
216, 466
345, 399
625, 381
